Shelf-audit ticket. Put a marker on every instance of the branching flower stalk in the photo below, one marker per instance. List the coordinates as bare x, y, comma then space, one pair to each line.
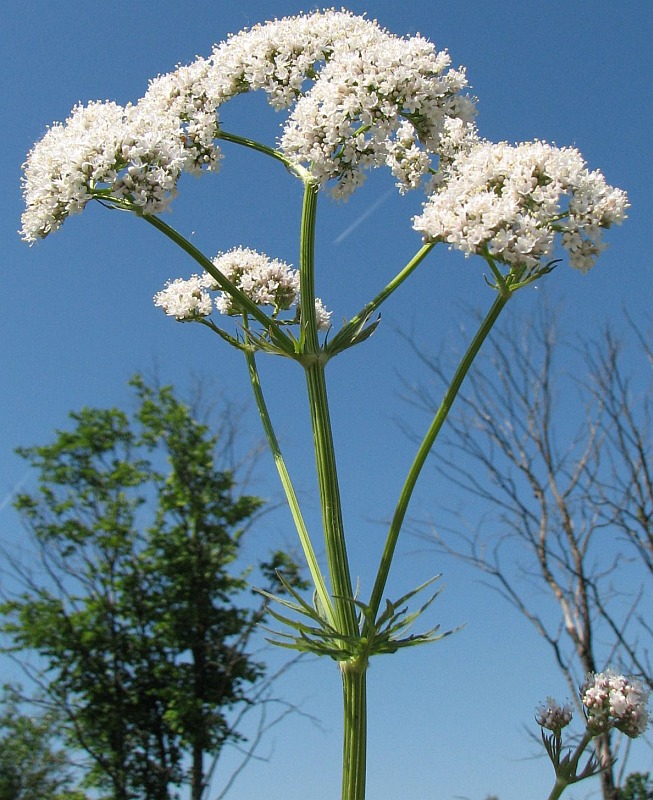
609, 700
427, 445
357, 98
321, 590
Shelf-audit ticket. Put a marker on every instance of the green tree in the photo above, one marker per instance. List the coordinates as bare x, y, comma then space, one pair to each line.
31, 767
140, 618
638, 786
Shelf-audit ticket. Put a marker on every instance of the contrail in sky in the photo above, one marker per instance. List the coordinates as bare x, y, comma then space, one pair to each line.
359, 220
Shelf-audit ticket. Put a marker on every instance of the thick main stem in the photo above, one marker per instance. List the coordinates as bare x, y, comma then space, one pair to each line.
354, 752
327, 478
313, 361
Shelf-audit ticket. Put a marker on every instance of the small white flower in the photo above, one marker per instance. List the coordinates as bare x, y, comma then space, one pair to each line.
408, 162
265, 281
322, 316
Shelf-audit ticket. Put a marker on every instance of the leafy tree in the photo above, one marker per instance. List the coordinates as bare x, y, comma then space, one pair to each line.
638, 786
136, 619
31, 768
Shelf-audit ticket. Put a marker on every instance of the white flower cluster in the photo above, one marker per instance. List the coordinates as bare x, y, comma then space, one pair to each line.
370, 85
182, 97
185, 299
408, 162
265, 281
350, 86
358, 97
552, 716
322, 315
281, 56
129, 152
613, 700
511, 201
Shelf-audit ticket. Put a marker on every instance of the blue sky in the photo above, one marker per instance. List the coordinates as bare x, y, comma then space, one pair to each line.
77, 321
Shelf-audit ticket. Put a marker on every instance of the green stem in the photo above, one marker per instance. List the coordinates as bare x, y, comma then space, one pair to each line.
291, 497
425, 448
566, 773
309, 343
354, 750
558, 788
313, 361
295, 169
327, 477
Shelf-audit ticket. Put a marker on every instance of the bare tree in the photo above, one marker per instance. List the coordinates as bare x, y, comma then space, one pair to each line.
564, 463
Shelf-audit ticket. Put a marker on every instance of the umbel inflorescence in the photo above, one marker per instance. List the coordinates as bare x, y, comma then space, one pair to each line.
614, 700
609, 700
356, 97
265, 281
346, 83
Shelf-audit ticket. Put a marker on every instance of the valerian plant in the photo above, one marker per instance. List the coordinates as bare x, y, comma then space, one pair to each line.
357, 97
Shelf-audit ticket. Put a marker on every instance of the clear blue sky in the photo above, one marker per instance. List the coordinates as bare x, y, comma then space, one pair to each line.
77, 321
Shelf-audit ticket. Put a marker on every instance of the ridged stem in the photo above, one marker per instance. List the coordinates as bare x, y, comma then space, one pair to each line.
354, 754
313, 360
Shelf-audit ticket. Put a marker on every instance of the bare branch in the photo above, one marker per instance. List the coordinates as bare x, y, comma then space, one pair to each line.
569, 483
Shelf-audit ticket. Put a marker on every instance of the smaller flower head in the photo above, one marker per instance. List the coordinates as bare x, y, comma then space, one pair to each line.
552, 716
615, 701
185, 299
408, 162
267, 282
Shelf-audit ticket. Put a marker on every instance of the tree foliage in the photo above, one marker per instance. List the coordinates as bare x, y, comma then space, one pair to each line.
638, 786
139, 613
31, 766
